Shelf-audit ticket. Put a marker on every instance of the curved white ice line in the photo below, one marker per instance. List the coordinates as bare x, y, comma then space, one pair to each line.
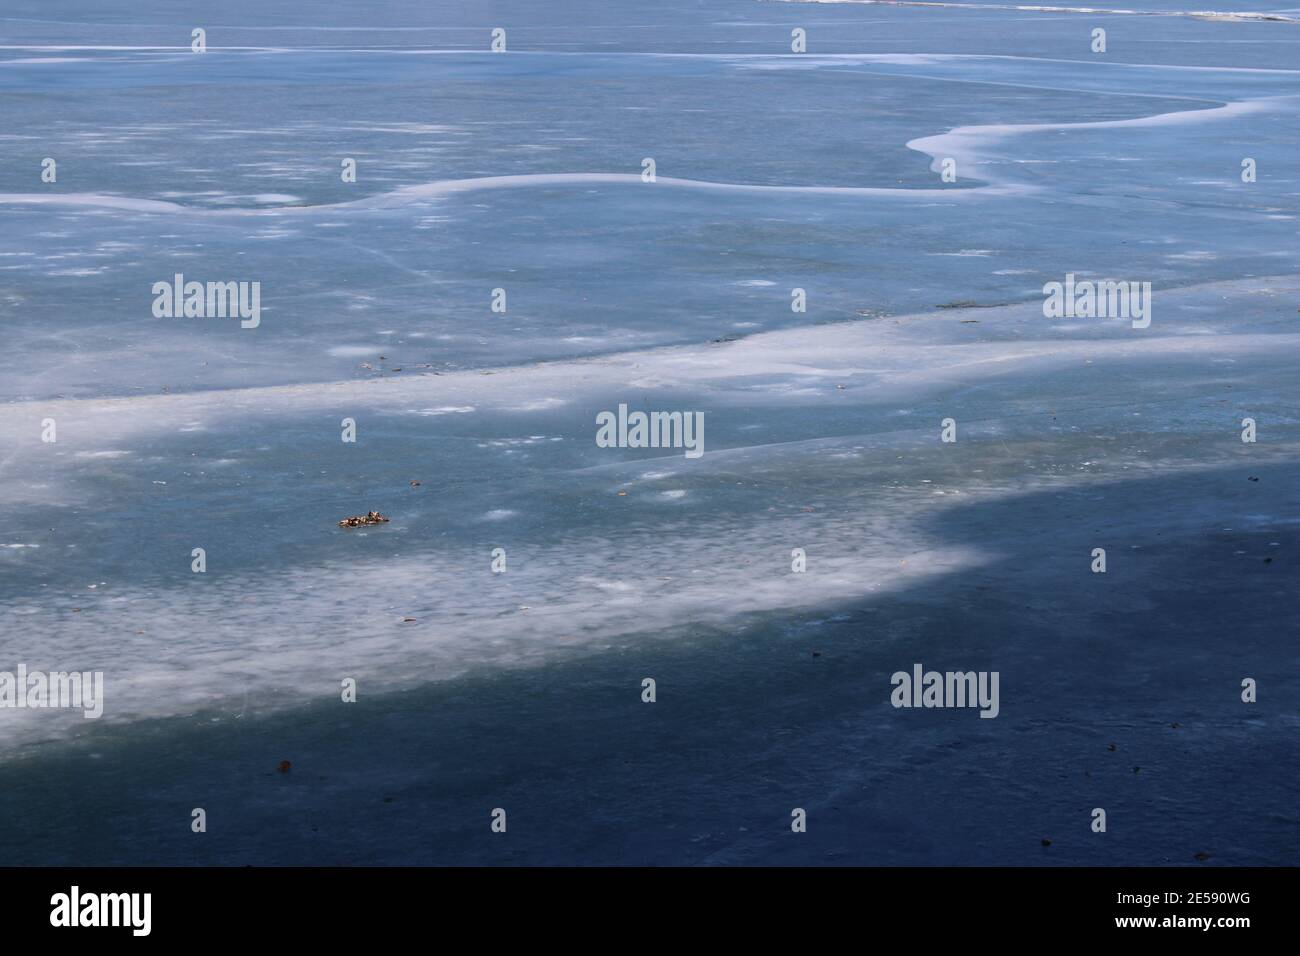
447, 187
963, 143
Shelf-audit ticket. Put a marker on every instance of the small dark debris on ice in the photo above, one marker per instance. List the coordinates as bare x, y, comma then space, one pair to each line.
356, 521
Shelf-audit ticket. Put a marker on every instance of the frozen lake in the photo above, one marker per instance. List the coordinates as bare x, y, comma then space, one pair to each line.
775, 171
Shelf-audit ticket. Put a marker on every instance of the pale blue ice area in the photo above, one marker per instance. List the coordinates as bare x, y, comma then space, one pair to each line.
775, 171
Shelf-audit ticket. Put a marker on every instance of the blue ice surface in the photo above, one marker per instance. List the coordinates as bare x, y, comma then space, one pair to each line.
523, 690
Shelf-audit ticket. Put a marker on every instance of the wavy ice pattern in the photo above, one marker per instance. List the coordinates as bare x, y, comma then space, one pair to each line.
968, 144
